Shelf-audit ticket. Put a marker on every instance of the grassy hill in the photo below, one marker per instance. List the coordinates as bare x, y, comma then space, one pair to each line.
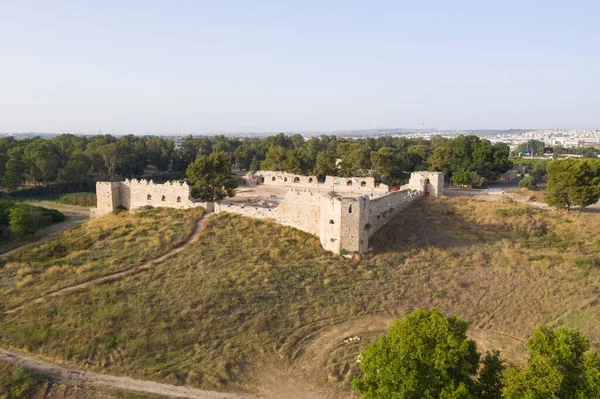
106, 245
258, 307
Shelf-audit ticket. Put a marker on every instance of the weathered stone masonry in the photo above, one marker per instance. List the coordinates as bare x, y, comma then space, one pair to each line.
343, 221
134, 194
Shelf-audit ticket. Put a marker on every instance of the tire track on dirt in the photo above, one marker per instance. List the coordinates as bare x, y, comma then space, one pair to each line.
119, 275
74, 376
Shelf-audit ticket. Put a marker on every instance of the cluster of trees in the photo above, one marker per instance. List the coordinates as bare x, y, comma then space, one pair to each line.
74, 159
19, 219
538, 171
573, 182
428, 355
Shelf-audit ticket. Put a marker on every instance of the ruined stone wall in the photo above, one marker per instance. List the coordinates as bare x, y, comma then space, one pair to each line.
342, 223
248, 210
138, 193
344, 184
300, 209
108, 198
134, 194
381, 210
431, 183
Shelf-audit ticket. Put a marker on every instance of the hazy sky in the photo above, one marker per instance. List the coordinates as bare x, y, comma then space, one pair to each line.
200, 66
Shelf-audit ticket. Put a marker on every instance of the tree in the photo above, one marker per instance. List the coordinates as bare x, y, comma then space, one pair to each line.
325, 164
44, 160
21, 220
528, 182
211, 177
489, 384
13, 170
560, 366
77, 169
276, 159
426, 355
573, 182
110, 158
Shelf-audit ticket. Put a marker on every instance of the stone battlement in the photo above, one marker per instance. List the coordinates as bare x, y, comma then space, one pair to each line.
133, 194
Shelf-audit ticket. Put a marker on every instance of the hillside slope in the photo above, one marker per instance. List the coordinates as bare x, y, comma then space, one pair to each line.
261, 308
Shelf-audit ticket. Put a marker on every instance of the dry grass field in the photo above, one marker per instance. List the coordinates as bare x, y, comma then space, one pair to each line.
102, 246
261, 308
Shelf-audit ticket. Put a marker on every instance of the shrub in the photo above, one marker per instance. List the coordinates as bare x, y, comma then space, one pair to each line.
17, 382
21, 220
528, 182
82, 199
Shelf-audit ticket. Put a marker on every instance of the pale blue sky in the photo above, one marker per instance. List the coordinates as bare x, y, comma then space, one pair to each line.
199, 66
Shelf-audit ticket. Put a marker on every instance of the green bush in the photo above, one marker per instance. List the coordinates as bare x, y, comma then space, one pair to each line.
83, 199
529, 182
17, 382
21, 221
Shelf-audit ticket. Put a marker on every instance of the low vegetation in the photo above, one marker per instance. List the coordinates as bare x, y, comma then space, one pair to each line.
251, 293
99, 247
17, 383
18, 220
82, 199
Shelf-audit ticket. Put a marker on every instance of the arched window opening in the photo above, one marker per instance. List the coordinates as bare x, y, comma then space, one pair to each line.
262, 179
178, 199
363, 183
310, 179
330, 221
273, 178
349, 183
350, 209
163, 198
285, 179
296, 179
148, 197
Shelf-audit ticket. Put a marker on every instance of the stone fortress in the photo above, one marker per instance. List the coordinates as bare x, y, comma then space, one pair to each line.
343, 212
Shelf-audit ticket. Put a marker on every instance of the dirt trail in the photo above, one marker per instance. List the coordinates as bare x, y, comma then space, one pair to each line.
119, 275
70, 375
74, 215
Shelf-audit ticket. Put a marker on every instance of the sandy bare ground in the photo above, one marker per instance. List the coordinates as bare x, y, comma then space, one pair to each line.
73, 376
74, 215
117, 276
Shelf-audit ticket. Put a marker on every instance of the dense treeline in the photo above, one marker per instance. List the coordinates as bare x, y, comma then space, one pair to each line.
76, 160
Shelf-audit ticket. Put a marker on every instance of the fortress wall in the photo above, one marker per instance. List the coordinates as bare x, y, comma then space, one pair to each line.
331, 223
301, 209
429, 182
134, 194
247, 210
381, 210
138, 193
353, 235
108, 198
346, 184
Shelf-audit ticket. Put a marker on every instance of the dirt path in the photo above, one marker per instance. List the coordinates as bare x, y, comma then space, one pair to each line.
70, 375
74, 215
119, 275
